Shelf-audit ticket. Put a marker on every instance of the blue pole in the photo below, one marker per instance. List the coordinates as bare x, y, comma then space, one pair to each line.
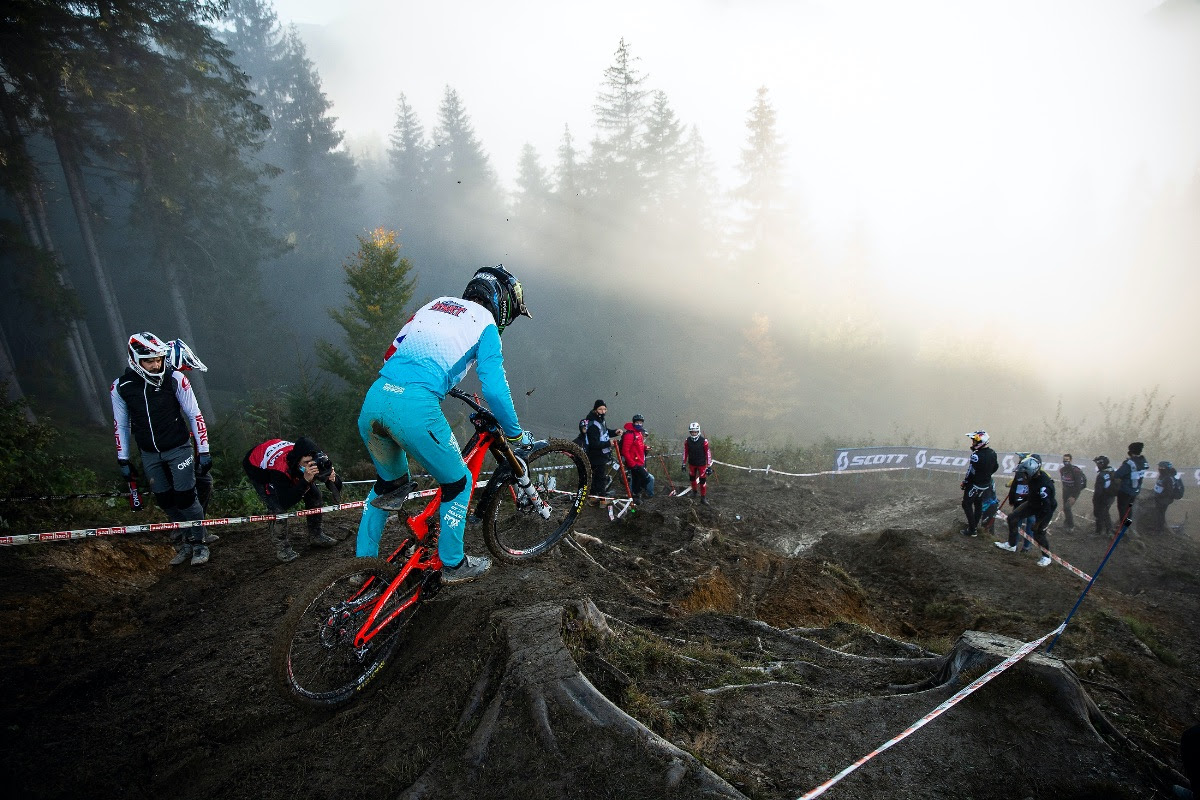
1124, 527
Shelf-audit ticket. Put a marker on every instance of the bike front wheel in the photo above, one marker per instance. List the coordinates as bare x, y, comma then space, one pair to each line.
314, 662
513, 527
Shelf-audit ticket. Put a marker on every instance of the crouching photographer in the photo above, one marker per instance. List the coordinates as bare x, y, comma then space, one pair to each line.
285, 473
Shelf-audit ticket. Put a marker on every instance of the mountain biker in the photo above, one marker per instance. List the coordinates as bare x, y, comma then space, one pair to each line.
283, 473
1041, 504
977, 483
1074, 481
697, 460
597, 441
155, 408
401, 413
1128, 479
1103, 495
633, 453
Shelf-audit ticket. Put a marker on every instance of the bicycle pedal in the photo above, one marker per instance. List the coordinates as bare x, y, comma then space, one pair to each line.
431, 584
394, 500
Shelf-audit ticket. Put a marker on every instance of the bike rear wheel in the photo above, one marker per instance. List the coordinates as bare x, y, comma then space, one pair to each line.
513, 530
314, 662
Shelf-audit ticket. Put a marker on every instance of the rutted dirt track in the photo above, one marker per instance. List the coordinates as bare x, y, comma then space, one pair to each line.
763, 643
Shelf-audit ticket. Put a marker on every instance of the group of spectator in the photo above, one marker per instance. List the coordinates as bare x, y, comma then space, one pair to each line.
1033, 501
155, 410
596, 438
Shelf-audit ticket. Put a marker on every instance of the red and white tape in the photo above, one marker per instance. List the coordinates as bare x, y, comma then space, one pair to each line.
1053, 557
1020, 653
87, 533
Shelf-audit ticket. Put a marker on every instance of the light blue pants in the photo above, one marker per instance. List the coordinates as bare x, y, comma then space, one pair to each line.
397, 420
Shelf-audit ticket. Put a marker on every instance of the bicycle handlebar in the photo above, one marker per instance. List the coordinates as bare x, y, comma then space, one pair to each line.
502, 442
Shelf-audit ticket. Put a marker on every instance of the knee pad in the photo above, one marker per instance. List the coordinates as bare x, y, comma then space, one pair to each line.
382, 487
165, 499
703, 480
185, 499
453, 490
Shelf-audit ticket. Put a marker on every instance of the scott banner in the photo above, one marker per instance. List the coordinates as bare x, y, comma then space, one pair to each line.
858, 459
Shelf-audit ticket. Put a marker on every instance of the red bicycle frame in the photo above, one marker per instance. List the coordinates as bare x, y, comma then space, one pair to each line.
424, 556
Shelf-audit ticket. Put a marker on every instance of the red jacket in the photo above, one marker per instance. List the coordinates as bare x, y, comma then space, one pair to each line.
633, 446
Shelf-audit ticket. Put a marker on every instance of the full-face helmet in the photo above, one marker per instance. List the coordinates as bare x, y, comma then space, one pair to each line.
1029, 465
181, 357
146, 345
497, 290
694, 429
978, 439
1102, 462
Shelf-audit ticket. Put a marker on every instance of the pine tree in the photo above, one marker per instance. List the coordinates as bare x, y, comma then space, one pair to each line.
407, 180
769, 226
380, 291
620, 113
664, 156
531, 203
464, 193
313, 198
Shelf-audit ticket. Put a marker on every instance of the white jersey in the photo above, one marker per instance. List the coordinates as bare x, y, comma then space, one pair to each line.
438, 346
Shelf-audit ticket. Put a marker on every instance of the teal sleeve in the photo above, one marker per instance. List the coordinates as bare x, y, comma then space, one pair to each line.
490, 363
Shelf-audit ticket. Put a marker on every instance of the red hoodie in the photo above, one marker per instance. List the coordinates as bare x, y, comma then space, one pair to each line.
633, 446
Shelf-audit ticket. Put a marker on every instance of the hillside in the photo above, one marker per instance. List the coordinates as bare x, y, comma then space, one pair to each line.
768, 640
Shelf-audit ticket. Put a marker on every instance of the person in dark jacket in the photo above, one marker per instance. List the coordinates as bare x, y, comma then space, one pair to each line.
977, 483
1041, 505
1168, 488
1128, 478
597, 441
284, 473
155, 409
1103, 495
697, 461
1018, 493
1073, 484
633, 453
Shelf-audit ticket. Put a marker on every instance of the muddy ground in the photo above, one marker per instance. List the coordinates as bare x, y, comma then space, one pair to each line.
768, 640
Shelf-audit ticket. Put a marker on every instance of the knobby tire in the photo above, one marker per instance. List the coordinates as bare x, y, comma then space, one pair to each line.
314, 663
561, 472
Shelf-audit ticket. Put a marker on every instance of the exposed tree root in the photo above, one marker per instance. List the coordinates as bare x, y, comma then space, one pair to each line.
539, 690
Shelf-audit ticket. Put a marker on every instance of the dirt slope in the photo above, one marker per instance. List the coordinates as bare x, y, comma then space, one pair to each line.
761, 644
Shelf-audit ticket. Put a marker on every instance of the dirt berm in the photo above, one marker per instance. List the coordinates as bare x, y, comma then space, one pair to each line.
750, 648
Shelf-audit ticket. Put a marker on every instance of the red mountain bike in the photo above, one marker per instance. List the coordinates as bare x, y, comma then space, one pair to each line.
338, 635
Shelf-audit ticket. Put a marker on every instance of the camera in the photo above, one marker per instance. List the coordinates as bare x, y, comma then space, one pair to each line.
324, 465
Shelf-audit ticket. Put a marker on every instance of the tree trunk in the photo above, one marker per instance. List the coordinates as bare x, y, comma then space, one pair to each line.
8, 375
83, 213
31, 208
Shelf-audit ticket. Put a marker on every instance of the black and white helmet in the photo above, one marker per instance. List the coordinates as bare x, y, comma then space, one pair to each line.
979, 439
498, 290
147, 345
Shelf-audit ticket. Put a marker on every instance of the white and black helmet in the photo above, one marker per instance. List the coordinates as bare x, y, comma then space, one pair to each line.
147, 345
978, 439
694, 429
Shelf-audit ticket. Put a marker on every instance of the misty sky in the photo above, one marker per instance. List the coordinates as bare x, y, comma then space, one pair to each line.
973, 142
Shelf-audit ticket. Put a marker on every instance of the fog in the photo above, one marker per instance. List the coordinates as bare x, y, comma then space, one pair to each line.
1008, 190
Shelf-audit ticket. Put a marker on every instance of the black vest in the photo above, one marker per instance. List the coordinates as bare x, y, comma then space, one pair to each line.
155, 417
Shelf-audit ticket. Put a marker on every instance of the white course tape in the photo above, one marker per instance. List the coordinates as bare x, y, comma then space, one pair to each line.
767, 470
1020, 653
87, 533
